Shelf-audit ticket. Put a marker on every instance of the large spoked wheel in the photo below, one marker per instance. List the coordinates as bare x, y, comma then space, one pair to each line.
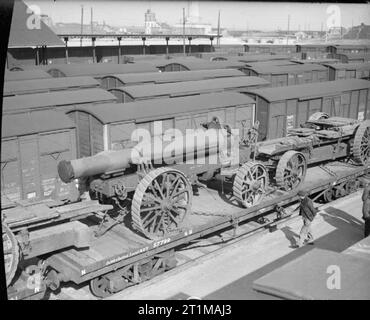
250, 184
361, 143
100, 287
11, 253
291, 170
160, 203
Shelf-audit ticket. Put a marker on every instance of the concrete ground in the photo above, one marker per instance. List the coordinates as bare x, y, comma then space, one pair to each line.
229, 272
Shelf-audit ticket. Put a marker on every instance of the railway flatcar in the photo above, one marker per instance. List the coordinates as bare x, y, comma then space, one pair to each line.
26, 75
339, 71
61, 100
13, 88
186, 64
97, 70
283, 108
187, 88
120, 80
110, 126
291, 74
31, 146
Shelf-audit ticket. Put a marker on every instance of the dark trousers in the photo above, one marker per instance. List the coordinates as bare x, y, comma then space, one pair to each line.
367, 227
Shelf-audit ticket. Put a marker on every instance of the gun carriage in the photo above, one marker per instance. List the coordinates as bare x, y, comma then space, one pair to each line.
158, 193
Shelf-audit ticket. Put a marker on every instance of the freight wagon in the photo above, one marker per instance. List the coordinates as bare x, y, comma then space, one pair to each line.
186, 64
169, 90
61, 100
249, 58
283, 108
120, 80
110, 126
322, 61
353, 48
98, 70
351, 57
271, 63
269, 48
32, 144
13, 88
290, 74
349, 70
25, 75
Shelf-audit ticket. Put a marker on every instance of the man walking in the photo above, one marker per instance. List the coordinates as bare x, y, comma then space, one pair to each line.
308, 213
366, 208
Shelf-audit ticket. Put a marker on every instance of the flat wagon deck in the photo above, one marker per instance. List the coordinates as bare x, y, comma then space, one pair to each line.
121, 248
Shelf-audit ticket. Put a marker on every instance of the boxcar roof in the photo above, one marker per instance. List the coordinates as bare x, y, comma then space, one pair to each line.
304, 91
324, 60
350, 66
176, 88
101, 69
32, 123
59, 98
199, 64
25, 75
161, 108
175, 75
268, 69
271, 63
262, 57
13, 87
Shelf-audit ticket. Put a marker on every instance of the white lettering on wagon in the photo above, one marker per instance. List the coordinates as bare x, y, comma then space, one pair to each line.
130, 254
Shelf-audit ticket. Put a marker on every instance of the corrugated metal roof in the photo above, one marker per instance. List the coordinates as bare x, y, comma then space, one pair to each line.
199, 64
101, 69
26, 75
175, 75
308, 90
295, 68
60, 98
22, 35
350, 66
161, 108
188, 87
14, 125
44, 85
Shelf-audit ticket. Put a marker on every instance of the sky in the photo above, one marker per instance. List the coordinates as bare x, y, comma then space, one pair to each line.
235, 15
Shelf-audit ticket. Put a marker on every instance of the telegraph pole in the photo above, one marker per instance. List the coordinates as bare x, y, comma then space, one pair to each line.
287, 36
82, 23
218, 29
183, 30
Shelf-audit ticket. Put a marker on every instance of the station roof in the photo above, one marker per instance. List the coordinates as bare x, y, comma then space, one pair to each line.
30, 86
146, 110
306, 91
350, 66
294, 68
25, 75
14, 125
59, 98
188, 87
159, 77
199, 64
21, 35
101, 69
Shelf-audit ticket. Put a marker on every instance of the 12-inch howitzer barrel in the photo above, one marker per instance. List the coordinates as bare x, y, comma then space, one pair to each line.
158, 150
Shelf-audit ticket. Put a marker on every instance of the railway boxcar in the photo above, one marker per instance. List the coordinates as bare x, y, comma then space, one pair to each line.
26, 75
351, 57
323, 61
169, 90
13, 88
290, 74
349, 70
249, 58
269, 48
98, 70
352, 48
31, 146
61, 100
283, 108
119, 80
111, 126
186, 64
